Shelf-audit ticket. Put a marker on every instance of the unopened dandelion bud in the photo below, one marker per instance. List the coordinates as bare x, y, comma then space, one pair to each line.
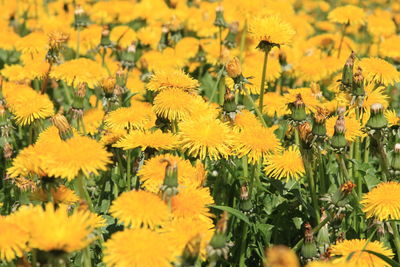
108, 85
319, 127
377, 120
358, 83
347, 187
163, 43
7, 151
79, 96
170, 185
305, 131
229, 101
81, 19
347, 75
338, 139
230, 39
219, 245
3, 114
219, 17
191, 251
280, 256
298, 109
245, 202
128, 57
105, 38
309, 248
395, 163
233, 68
61, 123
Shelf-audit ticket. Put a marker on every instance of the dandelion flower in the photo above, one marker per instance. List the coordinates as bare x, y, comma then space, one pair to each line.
271, 29
177, 79
379, 71
349, 14
173, 104
389, 47
138, 248
287, 164
205, 136
392, 117
137, 116
92, 119
33, 43
381, 24
274, 105
123, 36
192, 203
153, 172
281, 256
382, 202
79, 154
140, 209
359, 257
13, 239
255, 143
77, 71
246, 119
157, 140
55, 229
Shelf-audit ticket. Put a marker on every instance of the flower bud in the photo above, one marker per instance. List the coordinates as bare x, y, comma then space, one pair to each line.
229, 101
105, 37
61, 123
219, 17
128, 57
309, 248
233, 68
245, 204
377, 120
7, 150
395, 163
230, 39
338, 139
81, 19
163, 43
358, 83
170, 185
319, 128
298, 109
347, 74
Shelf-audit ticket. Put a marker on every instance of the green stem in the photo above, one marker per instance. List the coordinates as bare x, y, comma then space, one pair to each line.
311, 183
128, 169
342, 39
366, 149
221, 72
258, 112
264, 74
396, 238
243, 245
243, 42
78, 37
221, 91
357, 156
82, 190
87, 262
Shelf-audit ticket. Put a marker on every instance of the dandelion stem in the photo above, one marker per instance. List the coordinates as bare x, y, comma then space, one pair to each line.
258, 112
264, 73
128, 169
243, 42
311, 183
366, 149
342, 38
384, 160
217, 83
396, 238
315, 229
78, 37
83, 193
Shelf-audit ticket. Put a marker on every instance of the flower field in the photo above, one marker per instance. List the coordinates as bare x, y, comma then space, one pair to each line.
199, 133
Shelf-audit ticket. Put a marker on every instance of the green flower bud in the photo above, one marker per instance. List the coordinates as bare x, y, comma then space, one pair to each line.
338, 139
219, 18
358, 83
395, 164
377, 120
230, 39
347, 74
298, 109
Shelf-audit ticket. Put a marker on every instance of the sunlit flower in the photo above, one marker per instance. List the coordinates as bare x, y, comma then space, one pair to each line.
381, 24
355, 248
281, 256
139, 247
123, 36
137, 116
177, 79
245, 119
382, 202
349, 14
352, 125
13, 239
92, 120
392, 117
59, 195
287, 164
379, 71
389, 47
157, 140
140, 208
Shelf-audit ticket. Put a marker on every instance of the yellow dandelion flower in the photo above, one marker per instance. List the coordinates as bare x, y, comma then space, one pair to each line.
40, 106
205, 136
149, 35
77, 71
192, 203
281, 256
140, 209
311, 68
309, 98
53, 228
123, 36
92, 119
33, 43
174, 104
157, 140
153, 172
79, 154
271, 29
330, 264
274, 105
137, 248
375, 95
389, 47
287, 164
110, 136
352, 125
379, 71
187, 47
256, 142
359, 257
13, 239
181, 231
392, 117
137, 116
8, 38
28, 72
245, 119
349, 14
162, 80
381, 24
60, 195
89, 38
382, 201
162, 60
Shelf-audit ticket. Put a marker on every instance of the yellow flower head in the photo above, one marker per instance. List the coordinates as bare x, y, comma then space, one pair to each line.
271, 29
53, 228
381, 24
256, 143
157, 140
60, 195
92, 119
287, 164
140, 209
138, 247
389, 47
359, 257
245, 119
123, 36
349, 14
192, 203
137, 116
205, 136
13, 239
382, 202
281, 256
379, 71
168, 79
77, 71
33, 43
392, 117
153, 172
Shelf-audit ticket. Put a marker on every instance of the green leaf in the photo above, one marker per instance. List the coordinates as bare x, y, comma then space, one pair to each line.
385, 258
237, 213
